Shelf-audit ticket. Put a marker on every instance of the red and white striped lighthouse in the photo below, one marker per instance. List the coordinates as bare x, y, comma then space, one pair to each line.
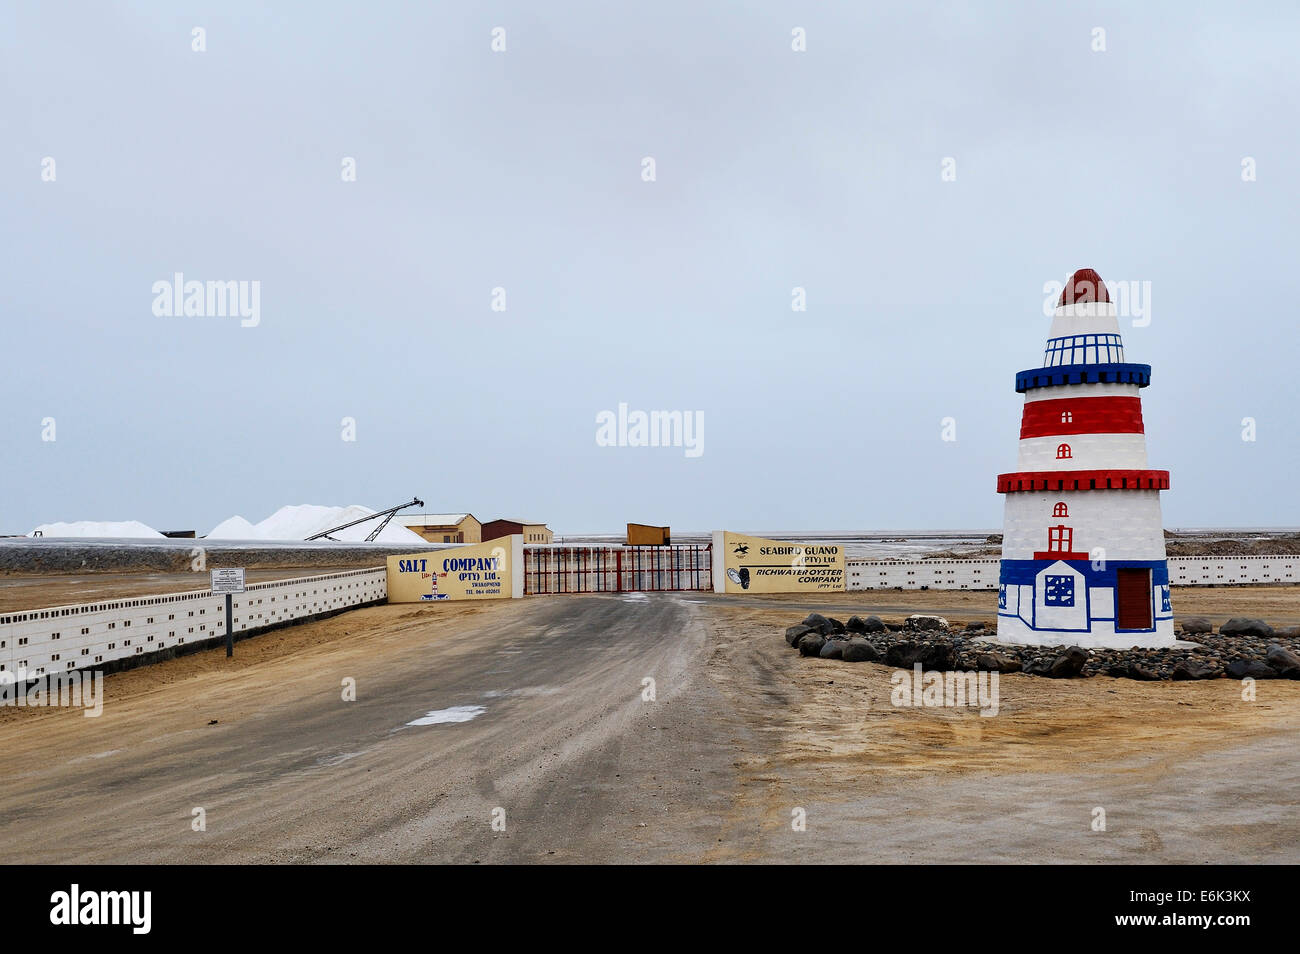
1083, 547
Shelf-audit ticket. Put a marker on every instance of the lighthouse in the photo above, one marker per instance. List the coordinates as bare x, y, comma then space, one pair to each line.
1083, 547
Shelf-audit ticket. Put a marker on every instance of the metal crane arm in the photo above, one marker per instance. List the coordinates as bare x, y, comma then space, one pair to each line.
386, 514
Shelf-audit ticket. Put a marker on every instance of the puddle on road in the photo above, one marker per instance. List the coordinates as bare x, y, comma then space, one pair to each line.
454, 714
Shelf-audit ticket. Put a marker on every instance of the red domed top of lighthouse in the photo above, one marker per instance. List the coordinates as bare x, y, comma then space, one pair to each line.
1084, 285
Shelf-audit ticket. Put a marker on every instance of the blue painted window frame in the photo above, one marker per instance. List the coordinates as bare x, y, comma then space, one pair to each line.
1058, 589
1084, 349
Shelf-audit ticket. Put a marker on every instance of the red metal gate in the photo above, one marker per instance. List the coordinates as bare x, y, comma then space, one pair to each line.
596, 569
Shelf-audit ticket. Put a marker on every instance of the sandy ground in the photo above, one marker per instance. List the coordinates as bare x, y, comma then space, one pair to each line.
742, 733
1186, 772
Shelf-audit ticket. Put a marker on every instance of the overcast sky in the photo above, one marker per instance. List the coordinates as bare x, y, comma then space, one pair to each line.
524, 170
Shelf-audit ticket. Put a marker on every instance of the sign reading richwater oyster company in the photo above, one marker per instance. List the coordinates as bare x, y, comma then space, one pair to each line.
758, 565
479, 572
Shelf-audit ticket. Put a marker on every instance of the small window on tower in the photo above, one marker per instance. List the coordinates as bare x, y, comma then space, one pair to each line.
1067, 417
1063, 452
1060, 510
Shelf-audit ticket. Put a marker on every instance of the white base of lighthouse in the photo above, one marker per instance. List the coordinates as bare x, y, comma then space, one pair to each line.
1102, 635
1103, 605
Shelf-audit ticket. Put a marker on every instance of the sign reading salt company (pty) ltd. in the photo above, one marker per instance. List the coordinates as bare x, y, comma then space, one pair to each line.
758, 565
484, 571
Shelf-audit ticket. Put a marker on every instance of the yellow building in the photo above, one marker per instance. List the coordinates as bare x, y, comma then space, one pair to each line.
443, 527
647, 535
532, 532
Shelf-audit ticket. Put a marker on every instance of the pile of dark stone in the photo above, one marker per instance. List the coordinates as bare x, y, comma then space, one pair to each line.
1242, 647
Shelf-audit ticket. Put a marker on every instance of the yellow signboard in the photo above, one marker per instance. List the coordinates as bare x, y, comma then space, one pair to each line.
483, 571
758, 565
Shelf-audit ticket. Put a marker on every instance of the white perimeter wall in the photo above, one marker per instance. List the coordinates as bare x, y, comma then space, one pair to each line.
57, 639
1222, 571
916, 574
983, 574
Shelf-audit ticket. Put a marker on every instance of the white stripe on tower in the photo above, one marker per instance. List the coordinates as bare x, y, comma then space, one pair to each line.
1086, 452
1082, 390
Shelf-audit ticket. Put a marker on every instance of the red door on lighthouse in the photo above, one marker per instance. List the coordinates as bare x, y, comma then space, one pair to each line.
1133, 599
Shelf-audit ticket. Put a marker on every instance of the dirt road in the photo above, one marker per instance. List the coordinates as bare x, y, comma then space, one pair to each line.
580, 767
583, 768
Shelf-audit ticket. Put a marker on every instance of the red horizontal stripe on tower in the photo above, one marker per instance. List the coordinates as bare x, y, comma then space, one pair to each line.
1082, 415
1083, 480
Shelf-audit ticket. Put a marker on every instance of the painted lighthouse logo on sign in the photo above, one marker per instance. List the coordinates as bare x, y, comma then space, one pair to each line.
433, 593
1083, 551
420, 567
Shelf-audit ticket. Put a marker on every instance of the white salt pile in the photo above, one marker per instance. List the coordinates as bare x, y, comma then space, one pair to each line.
234, 528
304, 520
96, 528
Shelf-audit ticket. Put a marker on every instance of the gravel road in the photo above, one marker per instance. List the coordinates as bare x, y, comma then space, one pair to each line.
583, 768
579, 767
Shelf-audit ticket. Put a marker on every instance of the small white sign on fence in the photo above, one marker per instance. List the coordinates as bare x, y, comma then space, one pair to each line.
229, 579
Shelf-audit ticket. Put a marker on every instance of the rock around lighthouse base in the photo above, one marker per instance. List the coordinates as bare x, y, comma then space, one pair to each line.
1100, 636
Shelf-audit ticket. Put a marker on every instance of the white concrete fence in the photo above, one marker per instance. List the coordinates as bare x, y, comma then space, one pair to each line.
983, 574
1226, 571
922, 574
56, 639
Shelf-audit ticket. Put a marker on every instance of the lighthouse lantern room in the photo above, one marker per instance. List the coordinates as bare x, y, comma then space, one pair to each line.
1083, 547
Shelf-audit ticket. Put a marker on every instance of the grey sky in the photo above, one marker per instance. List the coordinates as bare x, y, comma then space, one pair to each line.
522, 169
